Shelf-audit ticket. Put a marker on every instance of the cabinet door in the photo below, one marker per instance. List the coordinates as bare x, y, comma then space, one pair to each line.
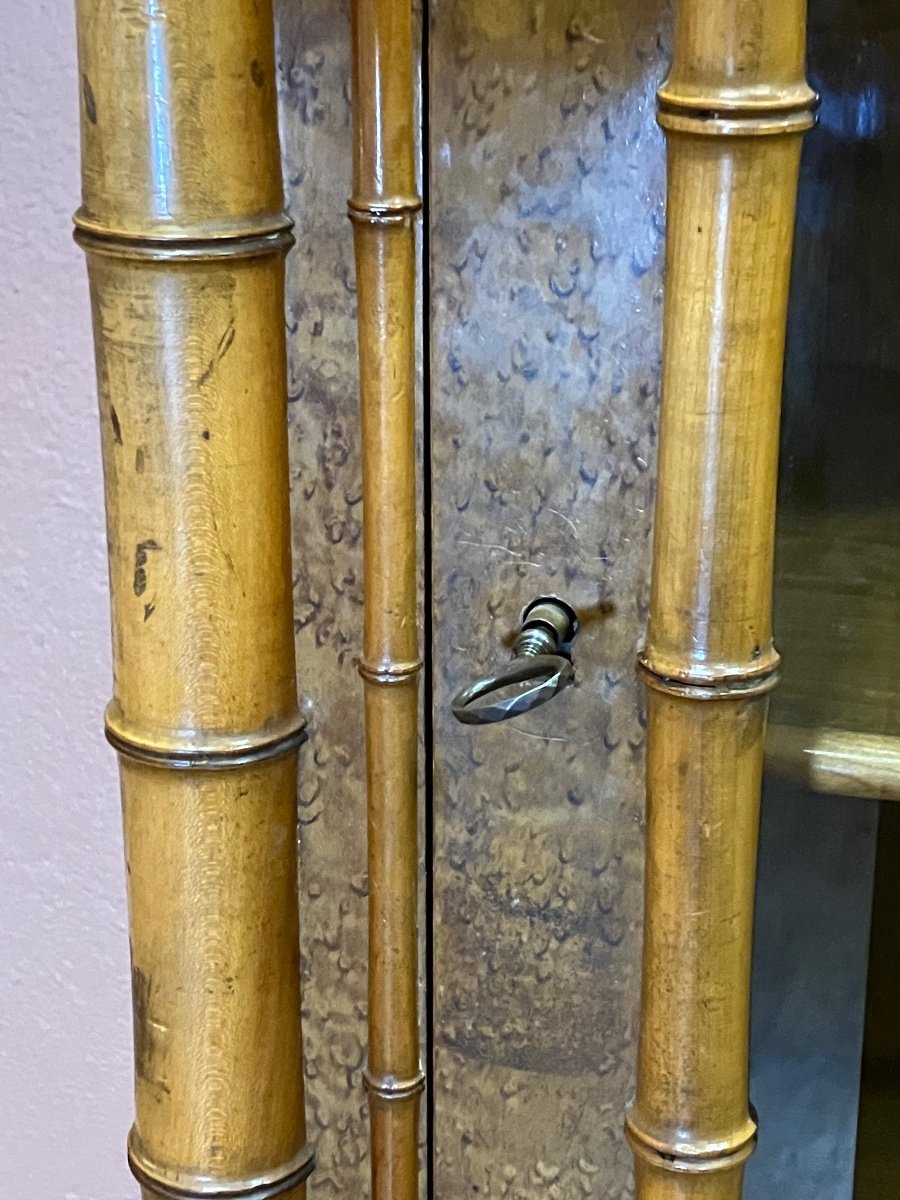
543, 244
546, 251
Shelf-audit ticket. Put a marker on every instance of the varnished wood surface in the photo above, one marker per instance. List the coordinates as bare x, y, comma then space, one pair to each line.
158, 158
326, 454
733, 109
837, 601
185, 240
523, 1063
546, 259
835, 761
326, 448
384, 207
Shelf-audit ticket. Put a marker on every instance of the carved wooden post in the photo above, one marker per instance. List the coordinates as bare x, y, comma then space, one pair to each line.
383, 208
185, 237
734, 108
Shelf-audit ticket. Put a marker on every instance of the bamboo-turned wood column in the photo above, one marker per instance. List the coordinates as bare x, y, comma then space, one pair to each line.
733, 109
383, 208
185, 237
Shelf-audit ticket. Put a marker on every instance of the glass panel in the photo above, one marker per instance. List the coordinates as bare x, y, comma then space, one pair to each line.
837, 604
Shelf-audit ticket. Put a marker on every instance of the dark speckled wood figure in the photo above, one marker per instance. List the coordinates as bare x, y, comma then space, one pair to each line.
538, 993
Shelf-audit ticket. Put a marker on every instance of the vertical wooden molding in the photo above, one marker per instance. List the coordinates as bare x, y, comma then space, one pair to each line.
733, 108
185, 238
383, 208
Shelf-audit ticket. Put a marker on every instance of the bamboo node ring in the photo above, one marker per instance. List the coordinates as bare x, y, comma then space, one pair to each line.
737, 115
735, 687
390, 673
186, 1186
247, 237
213, 753
388, 1087
698, 1160
390, 210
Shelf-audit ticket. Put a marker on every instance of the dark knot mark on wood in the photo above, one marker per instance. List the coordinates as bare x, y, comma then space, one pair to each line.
141, 553
143, 1040
116, 427
146, 1047
257, 74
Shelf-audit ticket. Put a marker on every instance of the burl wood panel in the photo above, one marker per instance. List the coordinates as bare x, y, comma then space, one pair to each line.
546, 258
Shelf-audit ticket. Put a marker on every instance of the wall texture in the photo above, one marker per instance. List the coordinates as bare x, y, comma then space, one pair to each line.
65, 1039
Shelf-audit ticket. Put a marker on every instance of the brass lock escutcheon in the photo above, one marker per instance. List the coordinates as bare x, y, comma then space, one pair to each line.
541, 666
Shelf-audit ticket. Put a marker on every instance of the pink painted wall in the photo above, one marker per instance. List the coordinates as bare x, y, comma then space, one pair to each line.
65, 1036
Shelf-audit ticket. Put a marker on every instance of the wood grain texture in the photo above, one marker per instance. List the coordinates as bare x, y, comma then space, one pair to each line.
185, 240
326, 448
158, 160
836, 762
384, 207
837, 599
546, 258
733, 108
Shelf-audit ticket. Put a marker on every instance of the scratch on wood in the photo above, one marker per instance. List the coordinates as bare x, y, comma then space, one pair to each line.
563, 517
543, 737
225, 343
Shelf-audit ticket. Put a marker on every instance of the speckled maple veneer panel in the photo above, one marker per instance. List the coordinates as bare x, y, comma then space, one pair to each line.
547, 183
